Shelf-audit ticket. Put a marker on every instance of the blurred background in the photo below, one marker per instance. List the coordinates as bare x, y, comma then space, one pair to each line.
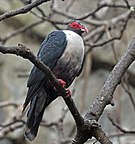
111, 26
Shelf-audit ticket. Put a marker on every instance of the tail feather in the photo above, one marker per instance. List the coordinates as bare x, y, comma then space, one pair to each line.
40, 100
32, 92
31, 132
35, 114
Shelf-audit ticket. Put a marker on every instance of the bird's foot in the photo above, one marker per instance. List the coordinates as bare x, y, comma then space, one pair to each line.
63, 84
68, 93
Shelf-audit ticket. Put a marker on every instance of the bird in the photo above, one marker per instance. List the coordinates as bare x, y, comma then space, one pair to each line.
63, 52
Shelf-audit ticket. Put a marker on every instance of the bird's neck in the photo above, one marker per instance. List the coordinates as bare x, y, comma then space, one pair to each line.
79, 32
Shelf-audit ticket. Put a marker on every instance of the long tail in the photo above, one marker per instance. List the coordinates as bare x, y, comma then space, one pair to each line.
39, 101
35, 114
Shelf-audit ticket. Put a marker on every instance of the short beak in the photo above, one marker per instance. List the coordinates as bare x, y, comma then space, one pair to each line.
84, 29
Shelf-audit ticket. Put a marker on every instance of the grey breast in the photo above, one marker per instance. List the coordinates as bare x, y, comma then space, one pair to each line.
70, 62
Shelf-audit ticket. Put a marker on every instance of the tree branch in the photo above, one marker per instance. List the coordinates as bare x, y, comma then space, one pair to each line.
104, 98
106, 94
87, 126
20, 30
5, 129
119, 127
22, 10
9, 103
25, 52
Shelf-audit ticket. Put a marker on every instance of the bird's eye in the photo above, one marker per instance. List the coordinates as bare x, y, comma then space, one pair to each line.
74, 24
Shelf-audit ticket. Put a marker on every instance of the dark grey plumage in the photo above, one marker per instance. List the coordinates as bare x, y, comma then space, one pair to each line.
38, 93
63, 53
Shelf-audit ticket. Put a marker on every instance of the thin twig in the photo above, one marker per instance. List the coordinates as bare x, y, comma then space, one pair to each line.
119, 127
22, 10
19, 31
110, 39
9, 103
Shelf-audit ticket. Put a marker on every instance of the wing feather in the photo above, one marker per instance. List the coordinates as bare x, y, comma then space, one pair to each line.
51, 49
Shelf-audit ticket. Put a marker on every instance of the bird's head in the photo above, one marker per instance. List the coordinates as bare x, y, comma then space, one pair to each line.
77, 27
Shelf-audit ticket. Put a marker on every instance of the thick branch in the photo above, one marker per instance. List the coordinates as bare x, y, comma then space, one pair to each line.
103, 99
24, 52
88, 128
106, 94
100, 135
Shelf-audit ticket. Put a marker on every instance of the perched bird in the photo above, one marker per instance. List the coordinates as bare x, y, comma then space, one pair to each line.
63, 52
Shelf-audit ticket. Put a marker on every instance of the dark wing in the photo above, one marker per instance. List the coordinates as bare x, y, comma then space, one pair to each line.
50, 51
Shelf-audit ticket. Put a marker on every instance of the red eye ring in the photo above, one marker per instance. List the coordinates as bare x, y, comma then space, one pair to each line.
74, 24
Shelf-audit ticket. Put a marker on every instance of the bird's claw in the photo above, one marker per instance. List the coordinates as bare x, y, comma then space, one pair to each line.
62, 82
68, 93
